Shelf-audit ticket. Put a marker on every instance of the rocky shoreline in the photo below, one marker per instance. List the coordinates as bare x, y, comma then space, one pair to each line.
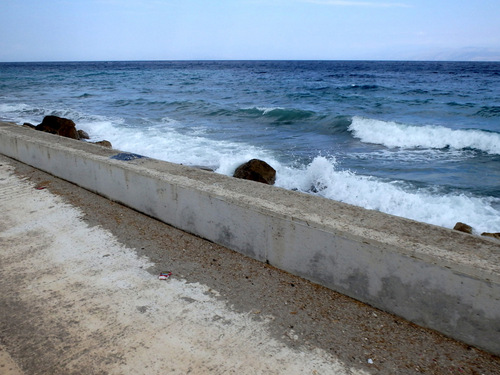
65, 128
254, 170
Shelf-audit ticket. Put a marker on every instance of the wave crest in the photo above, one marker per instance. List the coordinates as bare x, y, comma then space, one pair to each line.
393, 134
279, 114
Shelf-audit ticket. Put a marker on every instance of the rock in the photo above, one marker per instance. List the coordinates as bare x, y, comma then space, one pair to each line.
256, 170
463, 227
104, 144
28, 125
494, 235
58, 125
83, 134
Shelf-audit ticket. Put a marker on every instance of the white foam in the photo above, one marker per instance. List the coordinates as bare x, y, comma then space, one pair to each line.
17, 107
414, 155
266, 110
22, 112
393, 134
393, 198
162, 141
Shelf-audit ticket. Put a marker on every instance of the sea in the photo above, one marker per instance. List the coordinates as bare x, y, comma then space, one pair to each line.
420, 140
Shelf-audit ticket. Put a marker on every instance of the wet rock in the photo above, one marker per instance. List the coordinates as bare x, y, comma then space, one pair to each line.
493, 235
58, 125
256, 170
28, 125
463, 227
83, 134
104, 143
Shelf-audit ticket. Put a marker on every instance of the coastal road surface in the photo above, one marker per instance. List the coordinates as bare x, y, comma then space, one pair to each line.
80, 294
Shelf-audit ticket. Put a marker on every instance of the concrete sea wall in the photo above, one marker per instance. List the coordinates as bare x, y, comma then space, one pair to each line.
435, 277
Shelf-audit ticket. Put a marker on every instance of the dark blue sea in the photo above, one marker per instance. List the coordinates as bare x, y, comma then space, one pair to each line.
414, 139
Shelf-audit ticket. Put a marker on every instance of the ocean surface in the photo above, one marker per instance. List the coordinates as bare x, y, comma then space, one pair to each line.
414, 139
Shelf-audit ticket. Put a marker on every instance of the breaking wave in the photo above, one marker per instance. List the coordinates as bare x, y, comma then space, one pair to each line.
323, 177
392, 134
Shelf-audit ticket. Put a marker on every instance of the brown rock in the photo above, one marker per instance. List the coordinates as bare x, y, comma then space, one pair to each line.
463, 227
256, 170
28, 125
104, 144
494, 235
83, 134
58, 125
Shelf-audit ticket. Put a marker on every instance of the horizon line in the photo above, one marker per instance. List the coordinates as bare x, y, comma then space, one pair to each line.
237, 60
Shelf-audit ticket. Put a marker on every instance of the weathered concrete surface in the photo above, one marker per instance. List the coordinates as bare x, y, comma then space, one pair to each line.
89, 305
432, 276
7, 365
297, 313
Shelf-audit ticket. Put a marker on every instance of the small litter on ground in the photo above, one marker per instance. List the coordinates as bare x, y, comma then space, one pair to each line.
165, 275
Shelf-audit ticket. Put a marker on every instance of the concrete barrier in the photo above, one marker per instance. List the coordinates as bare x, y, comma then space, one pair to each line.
435, 277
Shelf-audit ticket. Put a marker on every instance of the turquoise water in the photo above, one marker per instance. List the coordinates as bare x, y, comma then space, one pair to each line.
414, 139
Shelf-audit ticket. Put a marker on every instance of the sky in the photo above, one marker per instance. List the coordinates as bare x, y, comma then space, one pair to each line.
103, 30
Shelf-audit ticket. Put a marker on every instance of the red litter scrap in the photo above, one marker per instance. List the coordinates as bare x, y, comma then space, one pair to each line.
165, 275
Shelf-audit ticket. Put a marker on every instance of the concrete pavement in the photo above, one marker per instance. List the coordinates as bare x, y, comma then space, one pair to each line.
77, 311
75, 300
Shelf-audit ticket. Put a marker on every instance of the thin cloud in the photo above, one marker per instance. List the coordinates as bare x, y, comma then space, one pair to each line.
358, 3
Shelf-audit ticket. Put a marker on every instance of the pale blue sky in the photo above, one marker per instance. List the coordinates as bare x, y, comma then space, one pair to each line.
73, 30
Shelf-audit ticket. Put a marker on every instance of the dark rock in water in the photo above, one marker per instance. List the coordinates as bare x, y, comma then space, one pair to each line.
28, 125
463, 227
104, 144
256, 170
58, 125
83, 134
126, 156
494, 235
316, 188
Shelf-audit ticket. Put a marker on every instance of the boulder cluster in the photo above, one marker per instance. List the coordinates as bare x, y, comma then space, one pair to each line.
63, 127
